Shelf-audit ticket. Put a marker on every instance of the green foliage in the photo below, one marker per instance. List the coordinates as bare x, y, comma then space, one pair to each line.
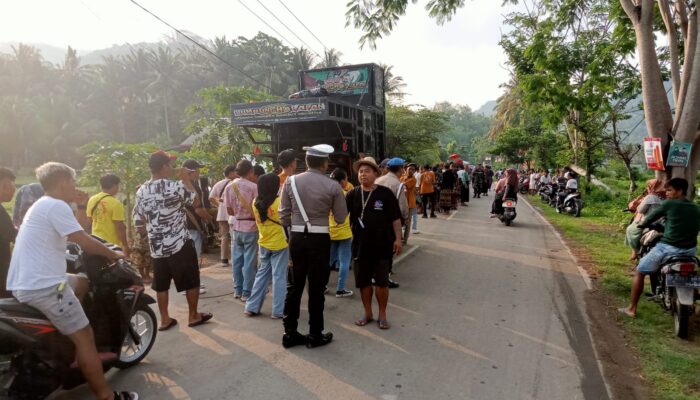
464, 127
414, 135
128, 161
218, 142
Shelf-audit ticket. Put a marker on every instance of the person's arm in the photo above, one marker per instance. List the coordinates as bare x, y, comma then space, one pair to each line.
397, 233
403, 204
285, 209
655, 214
81, 199
120, 226
340, 209
348, 204
230, 199
138, 218
94, 246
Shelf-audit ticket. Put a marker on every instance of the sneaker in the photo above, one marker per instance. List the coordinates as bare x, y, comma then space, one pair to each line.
293, 339
318, 340
415, 232
393, 285
202, 290
273, 316
343, 293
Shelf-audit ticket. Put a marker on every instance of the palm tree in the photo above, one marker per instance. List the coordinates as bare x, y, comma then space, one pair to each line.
166, 65
508, 109
331, 58
302, 59
393, 85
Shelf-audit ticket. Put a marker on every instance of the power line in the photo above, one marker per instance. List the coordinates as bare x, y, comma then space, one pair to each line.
201, 46
304, 25
285, 25
265, 22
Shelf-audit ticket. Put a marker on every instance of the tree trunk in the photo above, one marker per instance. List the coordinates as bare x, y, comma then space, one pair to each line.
689, 61
674, 60
167, 117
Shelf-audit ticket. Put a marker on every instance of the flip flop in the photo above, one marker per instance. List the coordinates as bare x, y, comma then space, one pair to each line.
205, 317
383, 324
363, 321
623, 311
172, 323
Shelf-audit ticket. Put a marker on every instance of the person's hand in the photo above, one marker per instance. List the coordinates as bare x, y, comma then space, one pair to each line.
116, 255
397, 246
81, 198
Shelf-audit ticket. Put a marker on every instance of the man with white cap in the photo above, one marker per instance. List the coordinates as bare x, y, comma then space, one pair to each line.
306, 201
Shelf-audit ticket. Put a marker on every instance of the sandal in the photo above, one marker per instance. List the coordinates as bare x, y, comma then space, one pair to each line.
383, 324
172, 323
204, 318
363, 321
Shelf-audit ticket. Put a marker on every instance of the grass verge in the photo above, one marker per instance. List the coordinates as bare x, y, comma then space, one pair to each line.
671, 367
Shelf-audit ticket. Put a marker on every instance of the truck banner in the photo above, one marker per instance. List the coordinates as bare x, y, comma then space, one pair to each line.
679, 154
343, 81
272, 112
653, 153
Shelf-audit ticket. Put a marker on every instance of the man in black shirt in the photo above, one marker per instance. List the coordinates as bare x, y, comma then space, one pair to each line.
375, 219
8, 232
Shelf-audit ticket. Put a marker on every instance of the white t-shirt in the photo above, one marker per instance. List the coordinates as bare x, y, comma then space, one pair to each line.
39, 257
572, 184
221, 213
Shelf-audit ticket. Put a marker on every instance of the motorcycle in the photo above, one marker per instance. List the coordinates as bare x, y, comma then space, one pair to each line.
569, 203
547, 193
524, 185
508, 211
676, 286
36, 359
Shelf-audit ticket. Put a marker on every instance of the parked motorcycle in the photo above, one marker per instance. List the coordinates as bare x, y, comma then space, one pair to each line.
524, 184
547, 193
569, 203
508, 211
36, 359
676, 285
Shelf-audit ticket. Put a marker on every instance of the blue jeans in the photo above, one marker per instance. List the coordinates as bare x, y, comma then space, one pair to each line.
196, 237
273, 264
651, 262
414, 218
243, 255
341, 252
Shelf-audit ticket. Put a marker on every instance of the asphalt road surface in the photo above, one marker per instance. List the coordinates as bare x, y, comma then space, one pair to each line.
484, 311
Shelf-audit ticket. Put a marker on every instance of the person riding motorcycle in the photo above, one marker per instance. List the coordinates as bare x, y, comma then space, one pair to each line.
38, 278
571, 186
679, 238
506, 188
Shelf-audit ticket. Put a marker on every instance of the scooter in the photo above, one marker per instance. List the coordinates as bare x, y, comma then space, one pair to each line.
524, 185
571, 203
36, 359
508, 211
676, 286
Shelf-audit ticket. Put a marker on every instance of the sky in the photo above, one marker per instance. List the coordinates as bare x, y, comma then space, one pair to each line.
459, 62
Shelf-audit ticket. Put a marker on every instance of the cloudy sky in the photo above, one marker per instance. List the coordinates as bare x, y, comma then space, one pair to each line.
460, 61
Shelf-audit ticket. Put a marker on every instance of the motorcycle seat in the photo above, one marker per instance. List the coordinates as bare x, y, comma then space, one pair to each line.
680, 259
14, 306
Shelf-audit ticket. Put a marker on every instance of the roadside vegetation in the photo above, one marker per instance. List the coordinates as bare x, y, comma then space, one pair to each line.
669, 365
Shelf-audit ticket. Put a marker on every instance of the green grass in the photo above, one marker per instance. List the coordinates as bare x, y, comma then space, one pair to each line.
670, 366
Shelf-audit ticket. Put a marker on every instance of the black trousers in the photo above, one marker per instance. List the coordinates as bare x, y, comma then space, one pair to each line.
311, 253
428, 198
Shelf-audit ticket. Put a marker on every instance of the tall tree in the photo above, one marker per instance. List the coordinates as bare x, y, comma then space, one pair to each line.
393, 84
331, 58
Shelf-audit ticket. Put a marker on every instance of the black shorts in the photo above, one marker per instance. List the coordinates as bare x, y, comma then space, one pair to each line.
365, 270
182, 267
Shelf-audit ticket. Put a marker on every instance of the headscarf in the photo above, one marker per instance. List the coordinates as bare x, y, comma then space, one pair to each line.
512, 176
268, 186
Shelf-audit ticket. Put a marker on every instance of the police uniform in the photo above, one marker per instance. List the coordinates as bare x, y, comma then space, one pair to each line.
306, 201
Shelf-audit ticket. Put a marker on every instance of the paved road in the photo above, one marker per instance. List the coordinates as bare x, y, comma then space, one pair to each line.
483, 312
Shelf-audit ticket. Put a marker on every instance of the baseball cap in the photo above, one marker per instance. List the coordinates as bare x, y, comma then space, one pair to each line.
160, 158
384, 163
396, 162
192, 164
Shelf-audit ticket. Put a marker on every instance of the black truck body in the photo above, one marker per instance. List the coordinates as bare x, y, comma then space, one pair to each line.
348, 116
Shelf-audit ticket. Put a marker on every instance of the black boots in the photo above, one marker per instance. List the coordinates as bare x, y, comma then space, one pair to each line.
293, 339
318, 340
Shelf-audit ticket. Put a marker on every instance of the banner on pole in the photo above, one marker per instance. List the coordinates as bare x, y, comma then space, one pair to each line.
679, 154
653, 153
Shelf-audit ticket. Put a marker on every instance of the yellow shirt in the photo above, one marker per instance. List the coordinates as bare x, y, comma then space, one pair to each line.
341, 231
271, 235
106, 212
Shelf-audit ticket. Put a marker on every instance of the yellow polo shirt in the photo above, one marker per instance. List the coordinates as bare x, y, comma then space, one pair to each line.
270, 234
104, 215
341, 231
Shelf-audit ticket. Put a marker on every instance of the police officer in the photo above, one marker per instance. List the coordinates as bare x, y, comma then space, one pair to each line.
306, 201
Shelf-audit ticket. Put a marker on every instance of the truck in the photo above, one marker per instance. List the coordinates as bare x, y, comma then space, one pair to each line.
340, 106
